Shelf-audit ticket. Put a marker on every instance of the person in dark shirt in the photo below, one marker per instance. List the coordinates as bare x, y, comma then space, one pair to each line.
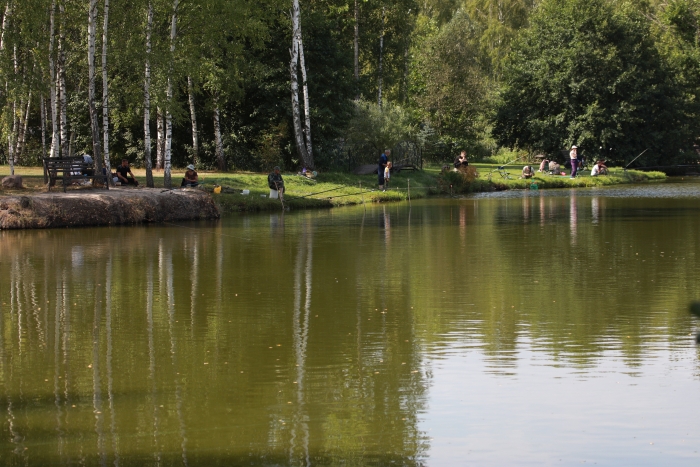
461, 160
383, 160
275, 182
123, 172
191, 177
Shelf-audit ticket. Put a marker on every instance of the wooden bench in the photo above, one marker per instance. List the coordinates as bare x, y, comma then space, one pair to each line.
71, 169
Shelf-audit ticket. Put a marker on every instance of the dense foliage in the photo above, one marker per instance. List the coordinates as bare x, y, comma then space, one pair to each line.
615, 77
586, 74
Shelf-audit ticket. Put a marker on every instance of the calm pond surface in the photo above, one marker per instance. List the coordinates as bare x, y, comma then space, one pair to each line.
516, 328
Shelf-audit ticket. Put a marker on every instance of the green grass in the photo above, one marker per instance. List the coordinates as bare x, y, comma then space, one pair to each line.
326, 190
339, 188
617, 176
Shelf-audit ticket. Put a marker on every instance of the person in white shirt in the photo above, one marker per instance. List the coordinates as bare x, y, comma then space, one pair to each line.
387, 175
599, 169
573, 155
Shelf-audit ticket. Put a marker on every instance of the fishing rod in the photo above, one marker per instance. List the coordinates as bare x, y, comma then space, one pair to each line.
504, 165
312, 194
636, 158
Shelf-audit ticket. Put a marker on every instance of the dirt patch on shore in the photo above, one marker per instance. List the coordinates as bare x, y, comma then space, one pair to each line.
105, 207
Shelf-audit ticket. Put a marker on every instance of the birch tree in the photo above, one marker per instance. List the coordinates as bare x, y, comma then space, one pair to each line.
94, 125
147, 99
356, 49
302, 148
52, 83
105, 89
193, 118
169, 98
218, 142
61, 77
380, 75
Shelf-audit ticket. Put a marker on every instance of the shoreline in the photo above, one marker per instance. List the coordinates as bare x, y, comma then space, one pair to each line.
116, 206
33, 207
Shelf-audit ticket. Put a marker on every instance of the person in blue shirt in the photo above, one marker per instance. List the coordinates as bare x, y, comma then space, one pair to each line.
383, 160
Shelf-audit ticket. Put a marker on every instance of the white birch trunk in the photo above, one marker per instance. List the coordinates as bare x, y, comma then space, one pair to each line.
147, 101
307, 110
63, 100
52, 85
11, 153
220, 159
11, 140
167, 182
160, 140
294, 75
42, 110
193, 116
404, 97
23, 129
105, 90
94, 125
71, 141
381, 61
5, 20
356, 42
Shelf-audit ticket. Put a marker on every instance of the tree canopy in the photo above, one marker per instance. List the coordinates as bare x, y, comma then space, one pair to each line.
614, 77
585, 73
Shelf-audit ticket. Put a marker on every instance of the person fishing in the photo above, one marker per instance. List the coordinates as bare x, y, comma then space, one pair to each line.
461, 160
276, 184
191, 178
383, 160
573, 155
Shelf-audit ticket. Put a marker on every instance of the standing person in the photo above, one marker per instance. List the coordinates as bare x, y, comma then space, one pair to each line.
191, 177
573, 155
123, 172
276, 184
383, 160
387, 175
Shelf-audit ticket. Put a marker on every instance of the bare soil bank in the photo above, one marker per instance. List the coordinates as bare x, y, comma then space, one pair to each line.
101, 207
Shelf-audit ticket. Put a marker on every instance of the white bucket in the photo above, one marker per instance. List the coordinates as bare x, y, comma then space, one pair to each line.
274, 194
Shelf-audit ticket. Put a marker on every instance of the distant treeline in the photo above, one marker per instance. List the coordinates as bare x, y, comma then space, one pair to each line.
208, 81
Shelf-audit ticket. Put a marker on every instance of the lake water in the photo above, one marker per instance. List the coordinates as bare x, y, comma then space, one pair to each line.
516, 328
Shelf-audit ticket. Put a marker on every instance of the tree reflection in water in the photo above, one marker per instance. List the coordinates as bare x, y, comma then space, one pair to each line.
310, 338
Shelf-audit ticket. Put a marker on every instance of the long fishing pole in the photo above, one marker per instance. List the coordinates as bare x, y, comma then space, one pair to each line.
312, 194
504, 165
636, 158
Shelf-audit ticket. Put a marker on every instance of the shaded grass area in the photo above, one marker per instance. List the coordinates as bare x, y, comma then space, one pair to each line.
339, 188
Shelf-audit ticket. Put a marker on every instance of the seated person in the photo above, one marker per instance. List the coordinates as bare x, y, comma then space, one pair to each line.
123, 172
275, 182
191, 177
528, 172
554, 168
89, 171
599, 169
461, 160
543, 165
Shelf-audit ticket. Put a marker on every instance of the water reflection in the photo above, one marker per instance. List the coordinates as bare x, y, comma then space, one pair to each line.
324, 338
573, 215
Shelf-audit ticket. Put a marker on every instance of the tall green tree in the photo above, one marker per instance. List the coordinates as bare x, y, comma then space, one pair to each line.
450, 85
585, 73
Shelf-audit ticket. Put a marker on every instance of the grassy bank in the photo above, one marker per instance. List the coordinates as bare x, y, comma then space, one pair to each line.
462, 184
339, 188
